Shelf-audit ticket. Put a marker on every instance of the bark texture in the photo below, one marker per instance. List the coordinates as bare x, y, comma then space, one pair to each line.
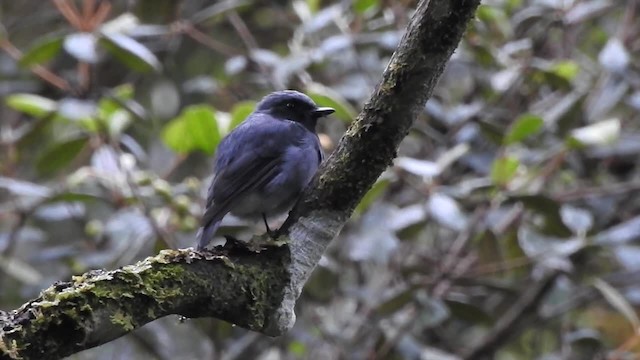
255, 288
232, 283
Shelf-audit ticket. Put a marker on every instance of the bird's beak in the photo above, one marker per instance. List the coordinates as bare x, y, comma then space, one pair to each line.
322, 111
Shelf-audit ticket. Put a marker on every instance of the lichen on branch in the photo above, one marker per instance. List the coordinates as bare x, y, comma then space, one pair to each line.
230, 283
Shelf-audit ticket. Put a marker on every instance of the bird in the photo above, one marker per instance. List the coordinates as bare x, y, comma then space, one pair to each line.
262, 166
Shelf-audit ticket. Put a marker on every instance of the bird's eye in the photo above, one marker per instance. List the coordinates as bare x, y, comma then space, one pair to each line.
290, 105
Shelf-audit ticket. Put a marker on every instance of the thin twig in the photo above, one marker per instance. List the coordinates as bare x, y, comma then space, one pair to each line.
13, 234
39, 70
251, 44
454, 265
87, 9
383, 351
204, 39
101, 14
67, 9
630, 343
510, 264
243, 30
10, 245
607, 190
84, 75
625, 30
165, 237
507, 326
179, 160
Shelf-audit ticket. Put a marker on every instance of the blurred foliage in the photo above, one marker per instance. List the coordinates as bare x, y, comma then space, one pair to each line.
524, 162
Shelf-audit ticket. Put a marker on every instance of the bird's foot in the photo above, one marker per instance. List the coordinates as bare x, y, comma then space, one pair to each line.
256, 244
269, 239
232, 242
273, 234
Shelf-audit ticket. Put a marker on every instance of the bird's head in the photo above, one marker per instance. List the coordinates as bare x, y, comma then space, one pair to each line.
295, 106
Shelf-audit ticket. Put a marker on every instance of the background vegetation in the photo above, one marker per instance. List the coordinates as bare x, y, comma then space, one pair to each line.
509, 224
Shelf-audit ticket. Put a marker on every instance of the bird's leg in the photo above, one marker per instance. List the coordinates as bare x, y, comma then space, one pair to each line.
272, 234
264, 218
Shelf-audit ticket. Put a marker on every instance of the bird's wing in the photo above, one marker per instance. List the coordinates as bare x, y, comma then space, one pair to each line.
248, 159
229, 185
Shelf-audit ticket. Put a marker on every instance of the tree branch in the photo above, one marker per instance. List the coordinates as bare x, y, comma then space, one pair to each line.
256, 289
371, 142
506, 327
231, 283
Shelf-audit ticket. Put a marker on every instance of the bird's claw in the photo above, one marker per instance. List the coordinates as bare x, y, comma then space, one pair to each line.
273, 234
232, 242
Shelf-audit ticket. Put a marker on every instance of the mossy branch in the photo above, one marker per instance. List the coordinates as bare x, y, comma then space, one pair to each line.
253, 289
370, 144
232, 283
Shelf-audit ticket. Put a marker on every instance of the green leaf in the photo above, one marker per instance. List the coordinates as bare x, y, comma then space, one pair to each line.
313, 5
489, 14
118, 122
326, 97
468, 312
525, 125
297, 348
618, 301
130, 52
504, 169
112, 102
566, 69
240, 112
195, 128
549, 210
376, 190
495, 17
124, 91
512, 5
491, 131
43, 50
72, 196
80, 111
396, 302
361, 6
60, 155
30, 104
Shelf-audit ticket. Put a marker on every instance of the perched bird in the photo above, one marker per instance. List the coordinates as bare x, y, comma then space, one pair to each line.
262, 166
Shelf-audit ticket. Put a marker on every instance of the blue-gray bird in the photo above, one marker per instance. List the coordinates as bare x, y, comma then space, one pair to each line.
262, 166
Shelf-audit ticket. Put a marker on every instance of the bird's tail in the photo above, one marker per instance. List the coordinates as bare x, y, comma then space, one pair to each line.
205, 234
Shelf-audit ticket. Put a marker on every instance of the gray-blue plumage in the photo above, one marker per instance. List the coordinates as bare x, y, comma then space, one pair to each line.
262, 166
